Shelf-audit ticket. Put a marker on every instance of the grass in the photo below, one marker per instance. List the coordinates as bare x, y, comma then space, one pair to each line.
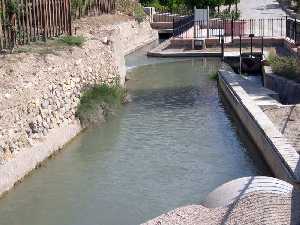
213, 76
287, 67
72, 40
51, 46
98, 101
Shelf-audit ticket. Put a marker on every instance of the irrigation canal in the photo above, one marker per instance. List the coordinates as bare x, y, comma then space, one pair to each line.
173, 144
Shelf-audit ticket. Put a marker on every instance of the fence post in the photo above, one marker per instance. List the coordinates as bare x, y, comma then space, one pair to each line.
240, 54
222, 47
173, 26
286, 26
44, 20
295, 31
70, 17
232, 29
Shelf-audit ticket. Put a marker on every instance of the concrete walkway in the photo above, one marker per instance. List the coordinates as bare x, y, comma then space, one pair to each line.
257, 9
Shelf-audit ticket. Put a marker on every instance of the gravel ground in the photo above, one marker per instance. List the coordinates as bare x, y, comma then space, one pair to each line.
254, 209
287, 120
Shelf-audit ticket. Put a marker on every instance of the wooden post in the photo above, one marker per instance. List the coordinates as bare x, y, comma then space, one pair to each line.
44, 20
69, 18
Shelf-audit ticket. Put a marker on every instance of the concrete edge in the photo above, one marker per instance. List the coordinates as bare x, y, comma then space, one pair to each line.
183, 54
281, 157
26, 160
160, 53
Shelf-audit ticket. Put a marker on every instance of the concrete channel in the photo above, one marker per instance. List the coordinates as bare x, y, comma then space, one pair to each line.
281, 157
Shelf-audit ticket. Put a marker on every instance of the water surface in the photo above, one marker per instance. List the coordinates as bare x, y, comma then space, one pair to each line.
174, 143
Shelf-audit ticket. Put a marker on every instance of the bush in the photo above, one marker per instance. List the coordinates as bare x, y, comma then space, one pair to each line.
138, 13
131, 8
98, 101
72, 40
226, 14
287, 67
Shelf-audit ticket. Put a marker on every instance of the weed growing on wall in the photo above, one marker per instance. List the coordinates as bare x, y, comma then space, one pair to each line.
98, 102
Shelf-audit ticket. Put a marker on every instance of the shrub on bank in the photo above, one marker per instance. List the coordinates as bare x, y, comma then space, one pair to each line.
131, 8
287, 67
98, 102
227, 15
72, 40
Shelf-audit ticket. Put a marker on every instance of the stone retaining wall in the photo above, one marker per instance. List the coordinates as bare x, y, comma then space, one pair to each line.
39, 93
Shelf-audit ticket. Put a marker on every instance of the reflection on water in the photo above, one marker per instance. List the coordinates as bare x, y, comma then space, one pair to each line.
169, 147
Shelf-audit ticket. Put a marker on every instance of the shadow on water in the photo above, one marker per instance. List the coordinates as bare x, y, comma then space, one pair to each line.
246, 140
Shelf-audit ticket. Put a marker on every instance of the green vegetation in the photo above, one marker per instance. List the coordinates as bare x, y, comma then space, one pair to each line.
139, 13
287, 67
214, 76
226, 14
131, 8
98, 101
72, 40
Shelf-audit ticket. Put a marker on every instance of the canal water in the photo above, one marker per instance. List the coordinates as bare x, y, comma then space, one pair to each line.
169, 147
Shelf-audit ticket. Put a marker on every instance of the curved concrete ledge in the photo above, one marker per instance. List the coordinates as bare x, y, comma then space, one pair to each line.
281, 157
261, 205
235, 190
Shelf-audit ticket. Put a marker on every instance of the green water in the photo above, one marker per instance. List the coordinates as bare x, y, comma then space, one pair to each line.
174, 143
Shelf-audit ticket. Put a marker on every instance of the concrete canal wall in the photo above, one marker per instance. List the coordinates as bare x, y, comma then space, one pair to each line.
281, 157
39, 93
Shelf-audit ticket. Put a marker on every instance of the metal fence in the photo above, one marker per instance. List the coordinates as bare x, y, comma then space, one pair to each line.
30, 20
293, 30
272, 27
93, 8
181, 28
24, 21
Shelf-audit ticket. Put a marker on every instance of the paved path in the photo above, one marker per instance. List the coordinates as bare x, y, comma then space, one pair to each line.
260, 9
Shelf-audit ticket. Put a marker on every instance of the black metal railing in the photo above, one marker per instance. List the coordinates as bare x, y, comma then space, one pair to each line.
271, 27
283, 27
182, 27
293, 30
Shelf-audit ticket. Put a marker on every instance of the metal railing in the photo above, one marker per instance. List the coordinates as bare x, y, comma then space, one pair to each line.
293, 30
181, 28
271, 27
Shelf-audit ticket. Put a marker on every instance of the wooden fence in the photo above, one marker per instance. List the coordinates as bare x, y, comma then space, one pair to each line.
24, 21
93, 8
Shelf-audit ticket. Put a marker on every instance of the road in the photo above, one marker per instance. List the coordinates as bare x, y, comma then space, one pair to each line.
255, 9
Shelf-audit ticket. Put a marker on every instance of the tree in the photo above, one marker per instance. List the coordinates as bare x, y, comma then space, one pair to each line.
219, 3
